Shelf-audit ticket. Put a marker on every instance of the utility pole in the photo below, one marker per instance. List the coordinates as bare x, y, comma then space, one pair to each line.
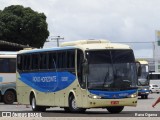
57, 38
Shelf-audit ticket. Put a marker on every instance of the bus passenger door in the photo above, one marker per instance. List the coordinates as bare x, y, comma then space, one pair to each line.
81, 76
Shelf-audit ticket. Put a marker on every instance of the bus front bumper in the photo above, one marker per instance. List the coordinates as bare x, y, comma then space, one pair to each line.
101, 103
143, 92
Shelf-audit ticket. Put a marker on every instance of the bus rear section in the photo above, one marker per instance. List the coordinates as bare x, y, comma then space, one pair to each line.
77, 76
8, 77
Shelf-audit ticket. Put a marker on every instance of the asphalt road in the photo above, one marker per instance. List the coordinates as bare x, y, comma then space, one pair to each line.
144, 107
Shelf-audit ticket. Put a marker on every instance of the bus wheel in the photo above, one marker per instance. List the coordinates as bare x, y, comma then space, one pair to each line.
146, 96
35, 107
9, 97
143, 96
72, 105
115, 109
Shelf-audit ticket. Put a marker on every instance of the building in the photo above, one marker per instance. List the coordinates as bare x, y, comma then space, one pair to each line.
9, 46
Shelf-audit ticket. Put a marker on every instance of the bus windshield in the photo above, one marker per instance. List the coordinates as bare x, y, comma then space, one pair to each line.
143, 79
111, 69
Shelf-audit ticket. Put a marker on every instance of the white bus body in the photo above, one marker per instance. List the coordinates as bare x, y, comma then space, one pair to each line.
154, 78
8, 77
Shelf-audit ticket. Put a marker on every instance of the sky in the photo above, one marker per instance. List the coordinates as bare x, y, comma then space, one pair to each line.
114, 20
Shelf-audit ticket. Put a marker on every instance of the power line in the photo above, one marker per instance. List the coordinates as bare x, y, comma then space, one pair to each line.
133, 42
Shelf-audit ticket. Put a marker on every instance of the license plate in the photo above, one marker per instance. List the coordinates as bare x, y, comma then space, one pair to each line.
114, 102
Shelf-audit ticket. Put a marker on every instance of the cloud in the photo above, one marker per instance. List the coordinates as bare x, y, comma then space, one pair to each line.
116, 20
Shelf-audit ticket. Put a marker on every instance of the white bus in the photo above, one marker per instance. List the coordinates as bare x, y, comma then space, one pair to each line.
154, 78
8, 77
77, 76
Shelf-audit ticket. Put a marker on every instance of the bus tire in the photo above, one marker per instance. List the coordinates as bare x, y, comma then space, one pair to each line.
72, 105
115, 109
9, 97
143, 97
146, 96
35, 107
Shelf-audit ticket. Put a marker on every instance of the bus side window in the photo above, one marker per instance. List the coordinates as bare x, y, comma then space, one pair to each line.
12, 65
8, 65
35, 61
4, 65
70, 61
52, 58
44, 61
61, 60
25, 62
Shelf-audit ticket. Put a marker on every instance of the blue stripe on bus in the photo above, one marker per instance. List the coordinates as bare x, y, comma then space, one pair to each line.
113, 94
48, 81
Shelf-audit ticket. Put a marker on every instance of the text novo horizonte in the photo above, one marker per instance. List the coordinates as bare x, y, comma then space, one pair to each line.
45, 79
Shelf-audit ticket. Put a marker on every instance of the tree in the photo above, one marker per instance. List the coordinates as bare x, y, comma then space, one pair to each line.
23, 26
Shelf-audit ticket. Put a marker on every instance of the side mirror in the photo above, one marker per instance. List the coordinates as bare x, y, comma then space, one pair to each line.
85, 67
139, 68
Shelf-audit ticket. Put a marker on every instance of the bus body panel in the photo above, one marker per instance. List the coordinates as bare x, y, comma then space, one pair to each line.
7, 86
155, 78
7, 77
60, 98
53, 88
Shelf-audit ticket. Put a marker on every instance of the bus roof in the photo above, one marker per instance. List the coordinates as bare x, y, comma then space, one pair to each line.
155, 73
8, 53
44, 50
143, 61
95, 44
8, 56
82, 44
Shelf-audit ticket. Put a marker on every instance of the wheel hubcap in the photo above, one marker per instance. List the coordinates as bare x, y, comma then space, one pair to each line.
9, 97
33, 103
74, 104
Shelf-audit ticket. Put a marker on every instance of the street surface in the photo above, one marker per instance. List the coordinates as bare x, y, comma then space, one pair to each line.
143, 106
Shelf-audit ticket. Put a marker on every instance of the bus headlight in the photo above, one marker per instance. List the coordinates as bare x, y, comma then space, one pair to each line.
94, 96
133, 95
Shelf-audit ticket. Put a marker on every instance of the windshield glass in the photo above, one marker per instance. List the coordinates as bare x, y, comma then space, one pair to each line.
143, 79
111, 69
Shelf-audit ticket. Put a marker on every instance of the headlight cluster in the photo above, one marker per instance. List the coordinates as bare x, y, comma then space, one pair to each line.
94, 96
133, 95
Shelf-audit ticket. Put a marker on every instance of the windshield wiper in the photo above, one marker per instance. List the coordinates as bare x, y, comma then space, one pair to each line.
144, 83
140, 82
